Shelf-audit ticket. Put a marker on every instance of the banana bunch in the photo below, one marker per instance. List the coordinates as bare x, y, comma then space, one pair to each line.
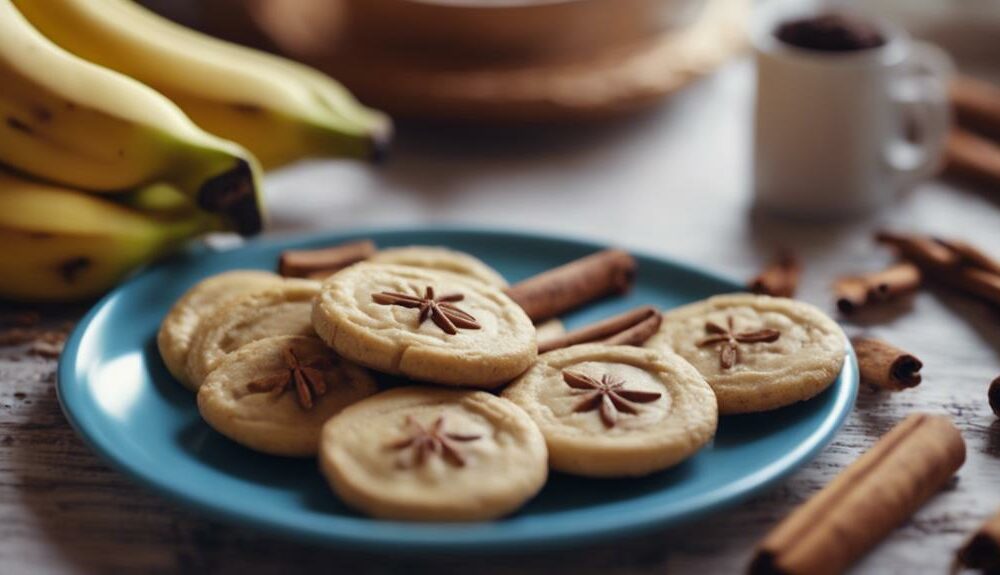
279, 110
124, 134
60, 244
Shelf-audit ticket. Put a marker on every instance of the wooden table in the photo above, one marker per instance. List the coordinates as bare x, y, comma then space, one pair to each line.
673, 181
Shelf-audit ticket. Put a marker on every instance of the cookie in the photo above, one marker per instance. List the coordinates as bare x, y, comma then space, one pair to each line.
757, 352
616, 411
440, 258
425, 324
274, 395
433, 454
282, 310
549, 329
181, 323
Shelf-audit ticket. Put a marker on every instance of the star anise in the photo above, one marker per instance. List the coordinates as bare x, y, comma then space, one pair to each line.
730, 340
608, 396
441, 310
433, 441
306, 378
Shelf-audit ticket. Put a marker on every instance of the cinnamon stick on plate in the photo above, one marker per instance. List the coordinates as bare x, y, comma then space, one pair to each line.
886, 366
856, 292
780, 278
982, 550
319, 263
869, 499
566, 287
633, 327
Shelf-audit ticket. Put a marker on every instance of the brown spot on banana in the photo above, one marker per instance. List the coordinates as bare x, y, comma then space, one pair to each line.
244, 108
43, 115
19, 125
71, 269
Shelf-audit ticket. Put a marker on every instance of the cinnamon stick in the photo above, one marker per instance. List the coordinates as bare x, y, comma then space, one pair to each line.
566, 287
994, 396
886, 366
870, 498
859, 291
921, 250
976, 104
970, 255
969, 156
941, 263
319, 263
982, 550
633, 327
780, 278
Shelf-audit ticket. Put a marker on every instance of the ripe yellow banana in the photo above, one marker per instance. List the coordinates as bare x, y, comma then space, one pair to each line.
69, 121
62, 244
279, 110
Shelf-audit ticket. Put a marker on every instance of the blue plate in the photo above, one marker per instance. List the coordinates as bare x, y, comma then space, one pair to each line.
120, 398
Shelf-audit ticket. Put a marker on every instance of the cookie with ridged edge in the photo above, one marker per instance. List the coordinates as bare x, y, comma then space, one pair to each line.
616, 411
434, 454
284, 309
461, 263
377, 315
440, 258
256, 399
182, 321
757, 352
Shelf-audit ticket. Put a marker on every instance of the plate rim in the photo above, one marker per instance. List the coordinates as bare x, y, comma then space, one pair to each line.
405, 537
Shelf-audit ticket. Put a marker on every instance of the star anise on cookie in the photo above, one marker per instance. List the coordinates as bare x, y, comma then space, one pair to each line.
306, 378
730, 340
441, 310
607, 395
433, 441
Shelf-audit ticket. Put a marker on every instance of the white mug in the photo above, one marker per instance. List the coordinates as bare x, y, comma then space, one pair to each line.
840, 133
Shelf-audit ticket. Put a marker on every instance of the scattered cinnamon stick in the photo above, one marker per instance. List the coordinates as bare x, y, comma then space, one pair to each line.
319, 263
885, 366
566, 287
780, 278
976, 104
870, 498
859, 291
994, 396
941, 263
982, 550
633, 327
969, 156
971, 256
921, 250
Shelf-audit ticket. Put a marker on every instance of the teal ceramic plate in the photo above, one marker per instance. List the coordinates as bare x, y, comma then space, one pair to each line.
120, 398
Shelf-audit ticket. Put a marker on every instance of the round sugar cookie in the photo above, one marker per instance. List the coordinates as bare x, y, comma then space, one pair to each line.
274, 395
757, 352
425, 324
285, 309
440, 258
183, 319
616, 411
434, 454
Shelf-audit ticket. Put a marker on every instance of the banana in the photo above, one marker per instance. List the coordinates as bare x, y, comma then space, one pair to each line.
61, 244
279, 110
69, 121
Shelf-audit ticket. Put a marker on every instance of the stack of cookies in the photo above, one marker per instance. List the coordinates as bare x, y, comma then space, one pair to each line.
473, 417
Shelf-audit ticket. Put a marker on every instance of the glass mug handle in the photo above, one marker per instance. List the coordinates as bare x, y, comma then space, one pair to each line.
920, 94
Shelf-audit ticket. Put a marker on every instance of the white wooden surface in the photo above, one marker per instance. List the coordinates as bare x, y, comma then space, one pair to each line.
674, 182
